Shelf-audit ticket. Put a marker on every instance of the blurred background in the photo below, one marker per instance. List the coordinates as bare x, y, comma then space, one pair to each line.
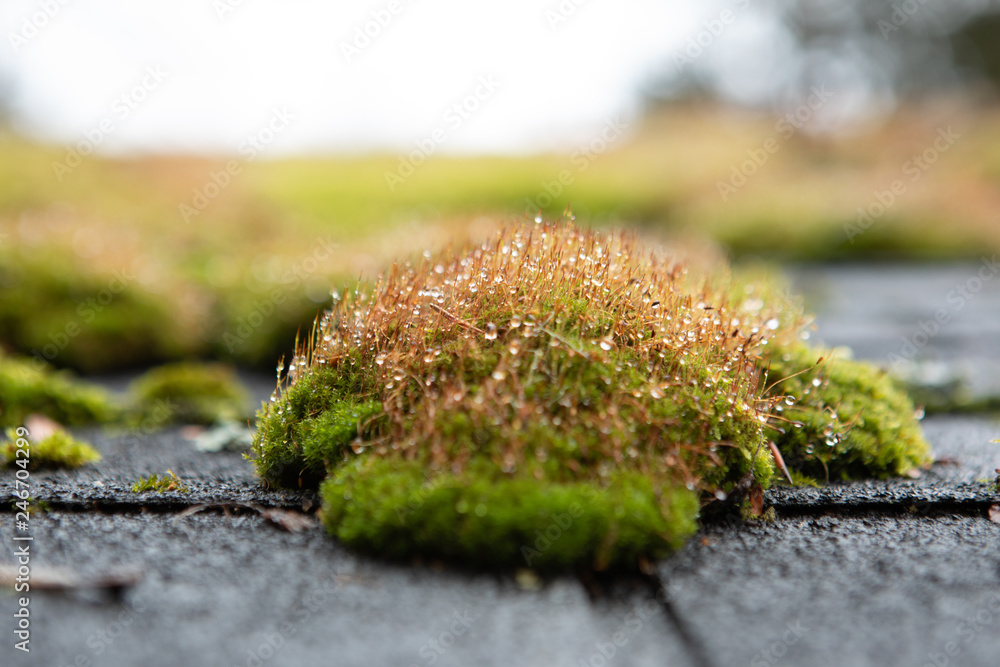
188, 179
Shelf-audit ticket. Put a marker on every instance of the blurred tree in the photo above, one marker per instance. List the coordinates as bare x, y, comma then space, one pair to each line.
880, 51
6, 97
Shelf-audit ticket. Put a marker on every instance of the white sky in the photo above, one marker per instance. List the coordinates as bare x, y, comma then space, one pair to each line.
226, 74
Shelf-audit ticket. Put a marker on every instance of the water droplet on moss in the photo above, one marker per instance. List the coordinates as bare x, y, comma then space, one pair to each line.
491, 331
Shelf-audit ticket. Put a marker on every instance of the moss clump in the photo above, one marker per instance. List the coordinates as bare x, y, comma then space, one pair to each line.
391, 508
838, 419
169, 482
106, 320
195, 393
554, 398
58, 450
847, 419
27, 387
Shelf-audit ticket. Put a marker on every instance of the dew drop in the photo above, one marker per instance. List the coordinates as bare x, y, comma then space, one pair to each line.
772, 323
606, 344
491, 331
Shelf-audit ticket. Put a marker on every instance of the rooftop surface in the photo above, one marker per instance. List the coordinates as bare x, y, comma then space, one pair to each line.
901, 572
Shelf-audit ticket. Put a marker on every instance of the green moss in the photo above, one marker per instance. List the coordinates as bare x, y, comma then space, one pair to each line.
52, 305
58, 450
391, 508
849, 418
168, 482
195, 393
28, 386
570, 404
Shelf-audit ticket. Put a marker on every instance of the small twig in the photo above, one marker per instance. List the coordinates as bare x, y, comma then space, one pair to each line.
58, 579
779, 460
457, 320
288, 520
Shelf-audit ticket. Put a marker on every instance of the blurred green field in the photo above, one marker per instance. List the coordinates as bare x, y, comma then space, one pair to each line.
105, 270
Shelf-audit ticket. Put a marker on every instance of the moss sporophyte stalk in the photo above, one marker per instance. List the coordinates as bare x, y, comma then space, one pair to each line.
562, 398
